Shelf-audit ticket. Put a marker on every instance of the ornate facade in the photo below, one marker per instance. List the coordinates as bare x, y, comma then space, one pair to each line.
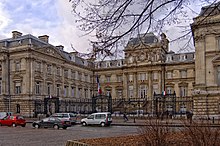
38, 77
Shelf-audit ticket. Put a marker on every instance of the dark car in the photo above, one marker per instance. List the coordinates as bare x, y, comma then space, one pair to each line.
14, 121
51, 122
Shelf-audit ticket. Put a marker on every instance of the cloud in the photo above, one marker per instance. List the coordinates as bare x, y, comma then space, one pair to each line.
69, 33
51, 17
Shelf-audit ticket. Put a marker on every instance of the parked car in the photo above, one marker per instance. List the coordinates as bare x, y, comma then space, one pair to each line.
102, 118
14, 121
66, 117
51, 122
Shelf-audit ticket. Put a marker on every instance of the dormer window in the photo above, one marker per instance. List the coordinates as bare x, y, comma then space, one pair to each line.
169, 58
119, 63
73, 58
85, 62
108, 64
182, 57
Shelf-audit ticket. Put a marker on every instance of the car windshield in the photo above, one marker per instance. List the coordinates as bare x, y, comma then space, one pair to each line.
109, 115
72, 115
65, 116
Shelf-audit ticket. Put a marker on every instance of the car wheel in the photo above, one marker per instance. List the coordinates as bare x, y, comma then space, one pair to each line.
56, 127
64, 127
84, 123
23, 125
102, 124
0, 124
36, 126
14, 125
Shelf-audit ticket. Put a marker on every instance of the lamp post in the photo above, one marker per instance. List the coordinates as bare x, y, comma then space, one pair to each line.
9, 91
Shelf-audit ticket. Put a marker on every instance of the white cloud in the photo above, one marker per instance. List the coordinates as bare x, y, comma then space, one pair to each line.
4, 21
68, 32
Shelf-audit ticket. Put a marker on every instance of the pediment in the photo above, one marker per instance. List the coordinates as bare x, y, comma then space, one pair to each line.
37, 77
170, 84
59, 81
183, 84
66, 82
49, 80
52, 51
216, 59
17, 77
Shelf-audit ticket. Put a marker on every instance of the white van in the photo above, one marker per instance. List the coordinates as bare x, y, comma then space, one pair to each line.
102, 118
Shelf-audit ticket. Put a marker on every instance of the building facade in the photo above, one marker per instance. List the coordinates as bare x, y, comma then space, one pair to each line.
37, 77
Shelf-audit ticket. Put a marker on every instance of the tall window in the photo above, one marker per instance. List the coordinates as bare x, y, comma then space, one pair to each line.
108, 79
155, 75
66, 73
17, 66
73, 91
142, 91
155, 88
142, 76
169, 75
49, 88
130, 78
65, 91
58, 71
108, 92
119, 78
37, 88
183, 73
73, 75
79, 92
17, 87
79, 76
130, 91
38, 66
119, 94
169, 90
0, 85
86, 93
218, 75
86, 78
183, 91
58, 90
49, 69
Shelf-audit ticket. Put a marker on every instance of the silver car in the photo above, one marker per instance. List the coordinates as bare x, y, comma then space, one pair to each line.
66, 117
102, 118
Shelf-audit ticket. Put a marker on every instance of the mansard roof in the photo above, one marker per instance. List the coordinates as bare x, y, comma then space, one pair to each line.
38, 43
148, 38
213, 9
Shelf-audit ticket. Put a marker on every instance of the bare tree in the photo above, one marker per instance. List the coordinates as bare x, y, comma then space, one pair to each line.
112, 22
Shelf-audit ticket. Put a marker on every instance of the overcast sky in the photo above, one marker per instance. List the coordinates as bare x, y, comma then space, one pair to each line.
50, 17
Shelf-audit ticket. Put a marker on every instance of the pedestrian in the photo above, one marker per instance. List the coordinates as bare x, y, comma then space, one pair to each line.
125, 117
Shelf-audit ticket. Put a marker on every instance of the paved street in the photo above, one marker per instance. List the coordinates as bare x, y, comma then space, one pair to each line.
28, 136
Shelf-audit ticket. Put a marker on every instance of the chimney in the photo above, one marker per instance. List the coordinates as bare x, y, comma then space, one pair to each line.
44, 38
16, 34
60, 47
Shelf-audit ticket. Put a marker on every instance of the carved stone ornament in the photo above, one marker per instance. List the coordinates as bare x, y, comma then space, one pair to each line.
131, 59
142, 57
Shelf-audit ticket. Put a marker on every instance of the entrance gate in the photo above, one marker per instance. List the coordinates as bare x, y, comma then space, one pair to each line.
102, 103
51, 105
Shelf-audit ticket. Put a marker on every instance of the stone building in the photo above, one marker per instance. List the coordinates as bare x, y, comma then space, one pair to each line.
34, 71
37, 77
